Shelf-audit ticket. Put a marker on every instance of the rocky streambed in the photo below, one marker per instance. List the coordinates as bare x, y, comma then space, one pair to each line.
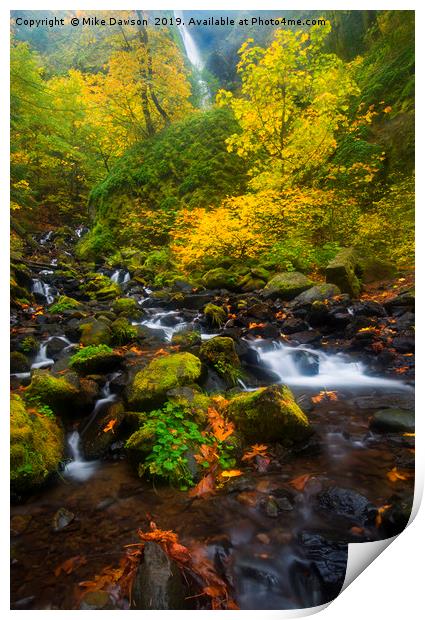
94, 353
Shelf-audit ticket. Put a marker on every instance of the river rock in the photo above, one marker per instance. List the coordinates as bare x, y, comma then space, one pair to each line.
55, 346
269, 414
36, 446
19, 362
393, 421
97, 359
56, 392
306, 362
220, 353
150, 385
329, 558
342, 272
287, 285
219, 278
94, 332
158, 583
62, 518
94, 438
319, 292
186, 339
348, 504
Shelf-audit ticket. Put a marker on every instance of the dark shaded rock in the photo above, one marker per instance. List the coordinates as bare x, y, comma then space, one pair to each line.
19, 362
404, 343
95, 440
158, 582
62, 519
305, 337
261, 311
329, 559
397, 516
393, 421
55, 346
293, 325
368, 308
348, 504
307, 363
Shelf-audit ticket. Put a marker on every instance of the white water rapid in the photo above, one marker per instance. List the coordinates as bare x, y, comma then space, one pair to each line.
78, 469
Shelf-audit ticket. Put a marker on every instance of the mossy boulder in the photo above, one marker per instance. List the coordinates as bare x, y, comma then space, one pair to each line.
342, 272
219, 278
393, 420
287, 285
186, 339
319, 292
373, 269
122, 332
95, 332
56, 392
95, 359
193, 400
150, 385
128, 307
64, 303
36, 446
215, 314
221, 354
269, 414
19, 362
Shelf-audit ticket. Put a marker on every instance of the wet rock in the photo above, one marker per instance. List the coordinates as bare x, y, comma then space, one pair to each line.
305, 337
396, 517
55, 346
94, 332
186, 339
95, 440
348, 504
293, 325
61, 519
97, 359
118, 383
306, 362
19, 362
19, 523
196, 301
261, 311
150, 385
158, 583
393, 421
329, 558
96, 600
404, 343
287, 285
319, 292
220, 353
368, 308
342, 272
269, 414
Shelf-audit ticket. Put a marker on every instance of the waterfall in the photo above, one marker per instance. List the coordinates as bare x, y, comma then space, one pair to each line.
195, 59
78, 468
41, 360
44, 290
334, 370
120, 276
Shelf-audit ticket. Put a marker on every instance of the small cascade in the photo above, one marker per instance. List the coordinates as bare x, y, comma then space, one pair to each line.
334, 370
46, 237
157, 322
44, 290
106, 397
120, 276
195, 59
41, 360
78, 469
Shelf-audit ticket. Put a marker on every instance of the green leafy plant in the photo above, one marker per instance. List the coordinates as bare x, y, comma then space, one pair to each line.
174, 435
45, 410
29, 344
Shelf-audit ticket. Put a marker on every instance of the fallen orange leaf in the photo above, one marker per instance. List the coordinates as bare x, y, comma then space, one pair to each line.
70, 565
300, 482
110, 426
395, 475
231, 473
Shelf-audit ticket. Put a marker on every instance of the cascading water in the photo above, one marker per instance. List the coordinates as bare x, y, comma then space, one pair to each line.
44, 290
334, 370
78, 469
42, 360
120, 276
157, 322
192, 52
46, 238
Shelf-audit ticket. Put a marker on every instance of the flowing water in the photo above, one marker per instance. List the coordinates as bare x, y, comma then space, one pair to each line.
78, 468
43, 289
120, 276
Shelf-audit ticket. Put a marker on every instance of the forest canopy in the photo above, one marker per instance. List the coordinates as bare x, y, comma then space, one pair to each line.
305, 145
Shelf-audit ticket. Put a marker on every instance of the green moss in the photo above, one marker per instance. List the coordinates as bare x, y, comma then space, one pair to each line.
269, 414
29, 345
215, 315
288, 285
19, 362
219, 278
126, 306
94, 359
36, 446
95, 332
194, 402
151, 384
122, 331
57, 393
186, 339
221, 354
64, 303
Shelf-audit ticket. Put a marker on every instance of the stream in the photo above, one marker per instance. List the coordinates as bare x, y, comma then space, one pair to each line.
278, 545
